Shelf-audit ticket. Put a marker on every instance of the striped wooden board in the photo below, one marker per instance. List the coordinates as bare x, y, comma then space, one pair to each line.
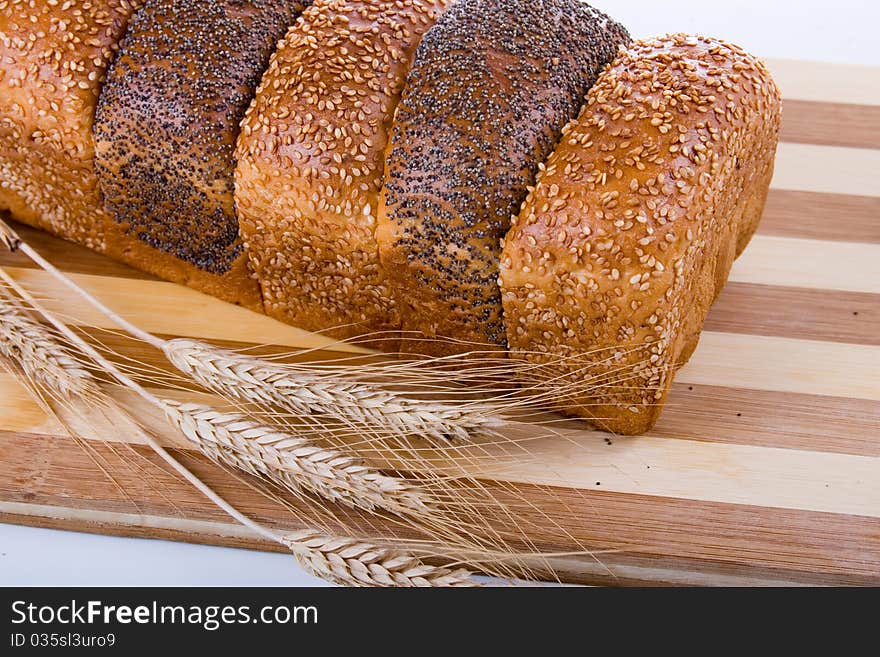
765, 467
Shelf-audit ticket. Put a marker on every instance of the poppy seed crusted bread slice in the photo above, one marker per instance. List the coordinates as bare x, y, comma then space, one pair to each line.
492, 86
167, 122
635, 221
311, 163
54, 60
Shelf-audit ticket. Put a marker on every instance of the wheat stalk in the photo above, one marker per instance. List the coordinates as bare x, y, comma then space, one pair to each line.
294, 462
342, 560
355, 563
360, 406
9, 237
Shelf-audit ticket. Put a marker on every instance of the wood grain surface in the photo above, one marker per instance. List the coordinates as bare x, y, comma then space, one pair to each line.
764, 468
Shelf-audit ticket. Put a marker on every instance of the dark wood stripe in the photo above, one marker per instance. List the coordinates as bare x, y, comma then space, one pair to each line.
602, 569
689, 539
771, 419
802, 313
834, 217
831, 124
67, 256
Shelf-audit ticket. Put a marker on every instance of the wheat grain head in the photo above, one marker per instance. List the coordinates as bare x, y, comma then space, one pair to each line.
49, 363
296, 463
352, 562
39, 355
359, 406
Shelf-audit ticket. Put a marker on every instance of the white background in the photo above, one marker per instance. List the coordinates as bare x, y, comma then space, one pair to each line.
843, 31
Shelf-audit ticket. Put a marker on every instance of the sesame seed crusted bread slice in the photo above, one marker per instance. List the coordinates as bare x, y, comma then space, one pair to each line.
167, 122
631, 229
492, 86
311, 162
52, 62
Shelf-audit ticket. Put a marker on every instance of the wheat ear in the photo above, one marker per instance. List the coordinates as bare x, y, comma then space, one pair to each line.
342, 560
350, 561
289, 460
294, 462
38, 355
358, 405
9, 237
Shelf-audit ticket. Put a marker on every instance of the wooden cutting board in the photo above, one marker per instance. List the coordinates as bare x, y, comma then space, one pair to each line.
765, 468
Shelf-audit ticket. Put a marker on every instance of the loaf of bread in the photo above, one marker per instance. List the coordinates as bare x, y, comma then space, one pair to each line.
55, 57
492, 86
167, 121
630, 232
311, 163
390, 176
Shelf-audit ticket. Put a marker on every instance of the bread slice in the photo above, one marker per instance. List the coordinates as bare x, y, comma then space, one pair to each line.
53, 62
629, 234
492, 86
311, 159
167, 121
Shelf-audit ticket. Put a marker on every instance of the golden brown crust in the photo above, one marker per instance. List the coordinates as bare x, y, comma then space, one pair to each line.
54, 59
52, 62
631, 229
492, 86
311, 159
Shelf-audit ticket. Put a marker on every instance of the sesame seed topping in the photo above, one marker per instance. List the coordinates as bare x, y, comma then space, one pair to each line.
311, 161
690, 193
54, 56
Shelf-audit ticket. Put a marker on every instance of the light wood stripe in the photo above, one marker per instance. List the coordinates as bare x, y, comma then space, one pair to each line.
218, 530
827, 169
822, 81
167, 308
809, 367
162, 307
715, 472
780, 364
20, 412
67, 256
792, 262
831, 124
830, 217
705, 413
796, 312
700, 412
784, 365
